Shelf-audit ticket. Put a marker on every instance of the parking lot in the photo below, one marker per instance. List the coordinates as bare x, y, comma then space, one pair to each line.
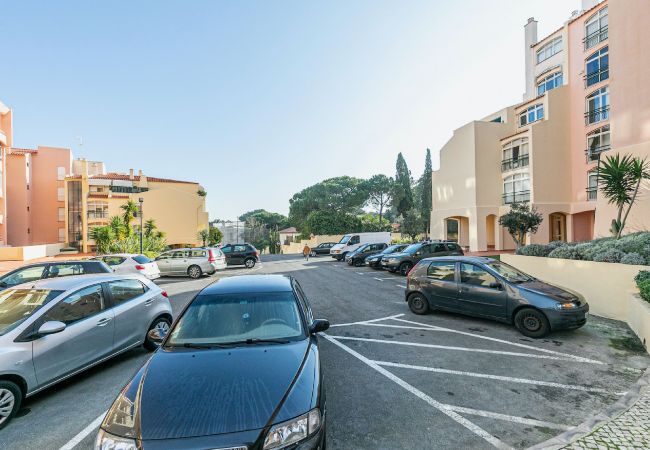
394, 379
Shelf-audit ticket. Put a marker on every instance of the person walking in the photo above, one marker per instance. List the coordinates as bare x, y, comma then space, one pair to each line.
306, 251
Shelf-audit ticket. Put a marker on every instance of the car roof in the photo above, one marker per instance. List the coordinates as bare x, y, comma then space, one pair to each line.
474, 259
74, 281
249, 284
128, 255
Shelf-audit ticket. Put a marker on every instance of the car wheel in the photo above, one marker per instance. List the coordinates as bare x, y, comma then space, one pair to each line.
418, 304
405, 268
10, 400
162, 324
358, 263
343, 256
194, 272
532, 323
249, 263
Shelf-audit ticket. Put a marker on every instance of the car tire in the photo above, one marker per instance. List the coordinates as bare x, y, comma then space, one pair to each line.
10, 396
249, 263
532, 323
160, 322
194, 272
358, 263
405, 268
418, 304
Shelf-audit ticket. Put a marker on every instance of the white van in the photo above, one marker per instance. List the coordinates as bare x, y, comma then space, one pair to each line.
353, 241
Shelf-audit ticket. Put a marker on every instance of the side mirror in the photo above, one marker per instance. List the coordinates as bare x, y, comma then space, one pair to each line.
51, 327
496, 285
156, 335
319, 325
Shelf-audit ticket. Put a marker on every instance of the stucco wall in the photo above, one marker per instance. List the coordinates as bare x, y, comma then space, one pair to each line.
18, 198
45, 204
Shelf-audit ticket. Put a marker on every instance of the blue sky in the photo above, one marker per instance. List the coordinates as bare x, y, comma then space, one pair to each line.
259, 99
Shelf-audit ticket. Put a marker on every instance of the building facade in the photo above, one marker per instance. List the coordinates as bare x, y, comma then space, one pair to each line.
546, 150
234, 231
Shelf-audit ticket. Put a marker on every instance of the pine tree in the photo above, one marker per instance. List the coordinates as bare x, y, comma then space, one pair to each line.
426, 192
403, 195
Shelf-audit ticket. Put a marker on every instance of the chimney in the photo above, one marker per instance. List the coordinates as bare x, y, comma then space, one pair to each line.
131, 174
530, 32
140, 173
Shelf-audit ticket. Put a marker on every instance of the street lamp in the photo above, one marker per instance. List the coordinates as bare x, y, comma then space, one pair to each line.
141, 200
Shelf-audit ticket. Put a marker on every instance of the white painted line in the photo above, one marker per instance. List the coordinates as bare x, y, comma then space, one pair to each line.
366, 321
413, 390
401, 286
445, 347
383, 279
503, 341
361, 273
506, 417
500, 378
72, 443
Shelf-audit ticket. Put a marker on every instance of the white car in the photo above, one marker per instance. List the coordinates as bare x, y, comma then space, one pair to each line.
128, 263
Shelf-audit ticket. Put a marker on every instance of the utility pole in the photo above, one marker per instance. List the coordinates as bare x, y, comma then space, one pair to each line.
141, 200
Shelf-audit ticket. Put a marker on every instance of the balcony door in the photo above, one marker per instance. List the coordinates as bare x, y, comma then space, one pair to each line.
558, 227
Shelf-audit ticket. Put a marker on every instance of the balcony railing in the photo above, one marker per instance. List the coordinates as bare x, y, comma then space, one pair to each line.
594, 153
516, 197
592, 193
597, 115
512, 163
597, 36
596, 77
128, 189
98, 214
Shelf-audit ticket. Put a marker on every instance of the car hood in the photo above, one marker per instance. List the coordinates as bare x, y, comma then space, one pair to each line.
555, 292
182, 393
397, 255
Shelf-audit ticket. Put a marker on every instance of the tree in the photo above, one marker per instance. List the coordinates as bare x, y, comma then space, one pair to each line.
426, 192
402, 193
214, 236
149, 227
520, 221
103, 237
129, 211
270, 219
203, 236
411, 224
323, 223
373, 222
379, 189
201, 192
619, 179
117, 227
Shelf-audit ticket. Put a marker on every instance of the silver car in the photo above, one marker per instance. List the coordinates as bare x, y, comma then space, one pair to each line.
192, 262
52, 329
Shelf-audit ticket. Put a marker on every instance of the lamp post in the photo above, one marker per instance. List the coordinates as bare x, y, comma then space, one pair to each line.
141, 200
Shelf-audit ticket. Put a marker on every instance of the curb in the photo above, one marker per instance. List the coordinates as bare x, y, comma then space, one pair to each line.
594, 422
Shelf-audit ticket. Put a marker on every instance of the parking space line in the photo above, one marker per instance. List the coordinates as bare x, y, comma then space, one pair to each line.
362, 322
361, 273
401, 286
462, 349
500, 378
508, 418
382, 279
445, 409
72, 443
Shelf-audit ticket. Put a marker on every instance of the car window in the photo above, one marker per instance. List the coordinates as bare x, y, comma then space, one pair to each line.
165, 256
197, 253
114, 260
125, 290
179, 255
24, 275
240, 248
141, 259
442, 270
18, 305
305, 303
475, 276
425, 249
452, 247
439, 248
216, 252
64, 270
78, 306
354, 240
226, 249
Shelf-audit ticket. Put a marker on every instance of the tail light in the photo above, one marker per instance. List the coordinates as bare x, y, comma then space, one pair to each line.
211, 257
408, 275
257, 253
164, 294
139, 267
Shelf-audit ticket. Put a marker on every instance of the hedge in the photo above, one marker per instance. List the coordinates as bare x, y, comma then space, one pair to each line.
643, 283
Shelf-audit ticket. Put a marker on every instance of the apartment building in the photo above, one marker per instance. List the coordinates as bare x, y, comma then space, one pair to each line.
545, 151
92, 197
234, 231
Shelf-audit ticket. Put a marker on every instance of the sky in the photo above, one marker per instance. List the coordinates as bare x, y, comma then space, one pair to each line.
256, 100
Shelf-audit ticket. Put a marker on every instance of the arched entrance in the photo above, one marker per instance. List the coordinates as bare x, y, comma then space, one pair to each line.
490, 231
457, 230
557, 227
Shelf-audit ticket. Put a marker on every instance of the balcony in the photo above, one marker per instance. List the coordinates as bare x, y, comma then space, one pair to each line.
596, 77
128, 189
597, 115
514, 163
596, 37
593, 154
592, 193
97, 215
516, 197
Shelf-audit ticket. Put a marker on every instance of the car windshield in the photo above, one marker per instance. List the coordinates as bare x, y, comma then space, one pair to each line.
344, 239
238, 319
17, 305
510, 273
361, 249
412, 248
141, 259
392, 249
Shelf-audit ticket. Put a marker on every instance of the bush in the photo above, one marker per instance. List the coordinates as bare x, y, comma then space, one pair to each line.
555, 244
633, 258
644, 290
534, 250
643, 275
565, 252
610, 256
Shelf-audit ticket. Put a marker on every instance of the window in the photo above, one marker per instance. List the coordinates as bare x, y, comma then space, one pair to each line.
597, 106
97, 210
60, 194
476, 276
77, 306
354, 240
179, 254
60, 173
439, 248
440, 270
592, 183
61, 234
596, 29
515, 154
549, 82
197, 253
598, 141
226, 249
516, 188
64, 270
23, 276
61, 214
453, 247
141, 259
165, 256
114, 260
17, 305
597, 67
125, 290
531, 114
550, 49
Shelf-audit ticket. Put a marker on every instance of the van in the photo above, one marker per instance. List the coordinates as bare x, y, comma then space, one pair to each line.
352, 241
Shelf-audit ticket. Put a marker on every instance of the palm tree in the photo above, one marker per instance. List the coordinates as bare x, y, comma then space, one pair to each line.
204, 235
117, 227
149, 227
103, 237
129, 211
620, 179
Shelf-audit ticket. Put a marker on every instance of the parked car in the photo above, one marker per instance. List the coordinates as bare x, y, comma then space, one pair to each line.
131, 263
404, 261
357, 257
249, 346
485, 287
351, 242
40, 270
322, 249
241, 254
53, 329
374, 261
193, 262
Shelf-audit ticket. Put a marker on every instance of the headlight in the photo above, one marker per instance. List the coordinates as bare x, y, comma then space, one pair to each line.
292, 431
566, 306
106, 441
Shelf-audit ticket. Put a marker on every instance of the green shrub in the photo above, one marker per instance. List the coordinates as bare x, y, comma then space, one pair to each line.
534, 250
643, 275
610, 256
555, 244
565, 252
644, 290
633, 258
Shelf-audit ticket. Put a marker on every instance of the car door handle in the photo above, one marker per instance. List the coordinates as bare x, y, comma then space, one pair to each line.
104, 321
148, 302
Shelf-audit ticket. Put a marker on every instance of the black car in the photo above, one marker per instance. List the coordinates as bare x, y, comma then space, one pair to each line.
485, 287
409, 257
374, 261
37, 271
357, 257
241, 254
322, 249
240, 369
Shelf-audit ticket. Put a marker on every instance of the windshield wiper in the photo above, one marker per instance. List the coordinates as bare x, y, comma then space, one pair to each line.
196, 345
252, 341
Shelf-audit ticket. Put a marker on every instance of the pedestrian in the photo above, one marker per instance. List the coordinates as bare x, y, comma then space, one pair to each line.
306, 251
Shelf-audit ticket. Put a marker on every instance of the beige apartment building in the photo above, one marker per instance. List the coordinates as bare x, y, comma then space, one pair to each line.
92, 197
545, 151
